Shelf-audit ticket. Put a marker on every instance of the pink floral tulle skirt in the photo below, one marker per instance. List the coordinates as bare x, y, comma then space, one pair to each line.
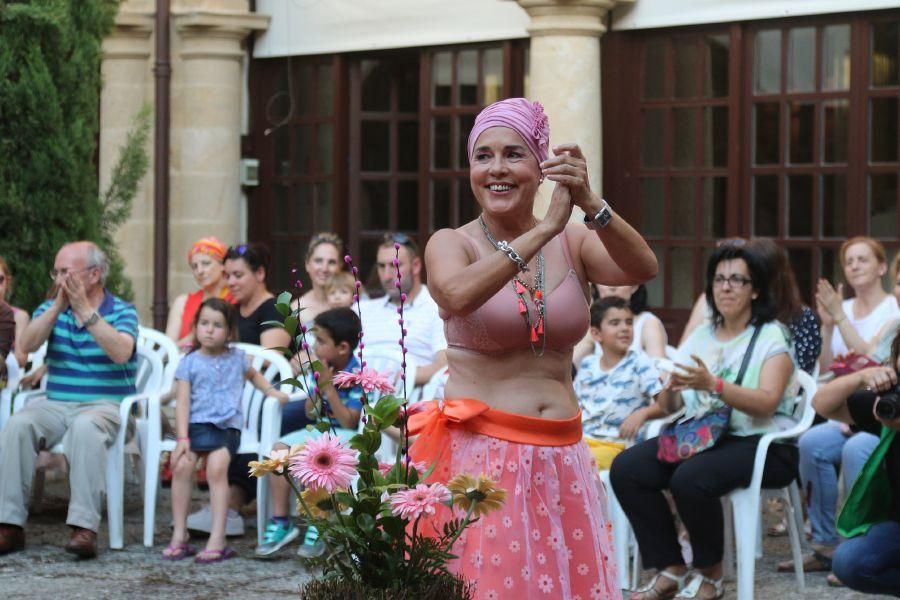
551, 539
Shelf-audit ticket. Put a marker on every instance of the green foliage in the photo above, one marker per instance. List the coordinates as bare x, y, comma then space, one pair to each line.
50, 53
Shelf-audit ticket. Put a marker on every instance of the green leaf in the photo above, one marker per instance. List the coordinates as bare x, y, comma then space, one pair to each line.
283, 309
284, 298
266, 324
366, 522
323, 426
290, 325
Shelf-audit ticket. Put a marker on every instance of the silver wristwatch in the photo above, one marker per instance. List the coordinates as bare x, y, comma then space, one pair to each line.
601, 219
91, 320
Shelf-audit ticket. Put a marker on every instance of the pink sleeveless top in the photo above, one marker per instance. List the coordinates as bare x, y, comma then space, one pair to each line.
497, 327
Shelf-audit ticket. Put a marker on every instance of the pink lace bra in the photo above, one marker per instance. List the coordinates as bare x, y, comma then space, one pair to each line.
497, 327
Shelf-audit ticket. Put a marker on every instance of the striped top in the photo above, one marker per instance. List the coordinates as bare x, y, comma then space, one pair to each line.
78, 368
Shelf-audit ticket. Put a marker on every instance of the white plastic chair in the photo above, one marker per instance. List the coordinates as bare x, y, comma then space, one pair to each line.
13, 375
745, 503
391, 362
149, 383
262, 426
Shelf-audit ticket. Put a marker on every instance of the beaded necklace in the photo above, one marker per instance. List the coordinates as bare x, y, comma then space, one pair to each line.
535, 325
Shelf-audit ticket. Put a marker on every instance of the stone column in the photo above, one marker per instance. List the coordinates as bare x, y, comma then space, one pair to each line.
208, 54
565, 77
126, 87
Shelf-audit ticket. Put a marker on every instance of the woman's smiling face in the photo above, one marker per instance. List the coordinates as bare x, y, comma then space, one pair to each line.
504, 173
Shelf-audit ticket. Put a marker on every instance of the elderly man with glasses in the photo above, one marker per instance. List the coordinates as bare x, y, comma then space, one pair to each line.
92, 363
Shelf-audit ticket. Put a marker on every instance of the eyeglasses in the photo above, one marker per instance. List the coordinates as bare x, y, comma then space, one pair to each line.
240, 249
402, 239
53, 273
2, 278
733, 281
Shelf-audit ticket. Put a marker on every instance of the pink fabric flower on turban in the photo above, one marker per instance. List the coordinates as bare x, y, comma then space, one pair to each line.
526, 118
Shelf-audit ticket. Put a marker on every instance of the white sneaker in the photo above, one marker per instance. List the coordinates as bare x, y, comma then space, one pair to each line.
202, 521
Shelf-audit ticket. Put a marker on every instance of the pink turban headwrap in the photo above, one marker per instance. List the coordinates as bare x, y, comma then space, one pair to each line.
522, 116
208, 245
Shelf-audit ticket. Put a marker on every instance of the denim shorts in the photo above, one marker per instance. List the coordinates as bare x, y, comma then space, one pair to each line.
206, 437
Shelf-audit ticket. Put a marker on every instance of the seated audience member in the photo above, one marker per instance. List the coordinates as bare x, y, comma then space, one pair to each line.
649, 332
737, 286
856, 325
340, 290
206, 259
92, 366
869, 561
616, 389
882, 350
20, 316
700, 312
323, 261
801, 321
425, 341
337, 335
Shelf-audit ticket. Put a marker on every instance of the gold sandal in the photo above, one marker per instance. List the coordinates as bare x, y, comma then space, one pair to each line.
650, 588
692, 590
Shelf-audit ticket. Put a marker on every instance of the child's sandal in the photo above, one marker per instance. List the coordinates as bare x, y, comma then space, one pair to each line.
650, 592
179, 551
692, 590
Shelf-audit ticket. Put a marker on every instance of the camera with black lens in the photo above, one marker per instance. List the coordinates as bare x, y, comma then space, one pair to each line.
888, 405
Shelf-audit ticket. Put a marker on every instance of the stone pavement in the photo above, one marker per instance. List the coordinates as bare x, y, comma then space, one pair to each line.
45, 570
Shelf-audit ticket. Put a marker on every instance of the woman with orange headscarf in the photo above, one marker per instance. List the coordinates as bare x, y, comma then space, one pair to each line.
206, 258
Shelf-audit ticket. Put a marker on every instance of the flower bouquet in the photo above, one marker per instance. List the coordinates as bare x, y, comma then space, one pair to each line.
378, 520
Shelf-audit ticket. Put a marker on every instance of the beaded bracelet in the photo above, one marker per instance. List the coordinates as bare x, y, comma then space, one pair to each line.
510, 252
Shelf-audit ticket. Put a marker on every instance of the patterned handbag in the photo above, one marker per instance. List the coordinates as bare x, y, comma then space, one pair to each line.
681, 440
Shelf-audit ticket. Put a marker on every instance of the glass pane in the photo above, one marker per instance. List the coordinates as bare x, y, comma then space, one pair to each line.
715, 136
883, 205
766, 133
655, 68
408, 146
685, 68
374, 205
376, 85
281, 210
468, 207
802, 59
302, 148
800, 205
836, 125
440, 142
685, 137
883, 130
440, 205
717, 54
802, 128
442, 79
653, 206
652, 149
467, 76
325, 143
655, 285
408, 87
767, 62
323, 207
281, 260
684, 196
375, 145
834, 206
281, 153
885, 53
765, 205
324, 91
830, 265
492, 75
836, 57
681, 277
712, 212
302, 211
303, 80
408, 205
465, 126
801, 262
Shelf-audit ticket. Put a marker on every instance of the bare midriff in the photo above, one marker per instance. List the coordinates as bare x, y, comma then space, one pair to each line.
517, 382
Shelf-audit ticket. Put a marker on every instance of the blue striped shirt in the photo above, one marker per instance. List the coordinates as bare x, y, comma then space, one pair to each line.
78, 368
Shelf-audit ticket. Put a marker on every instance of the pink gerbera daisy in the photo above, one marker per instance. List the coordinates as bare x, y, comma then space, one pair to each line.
325, 463
385, 468
369, 379
412, 503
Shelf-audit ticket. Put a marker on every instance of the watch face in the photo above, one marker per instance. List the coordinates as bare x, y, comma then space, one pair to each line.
604, 216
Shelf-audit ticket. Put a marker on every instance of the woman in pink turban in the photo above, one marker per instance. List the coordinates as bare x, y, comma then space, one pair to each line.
206, 258
513, 291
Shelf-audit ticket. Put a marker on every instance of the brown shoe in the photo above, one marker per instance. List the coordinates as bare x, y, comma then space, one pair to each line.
83, 543
12, 539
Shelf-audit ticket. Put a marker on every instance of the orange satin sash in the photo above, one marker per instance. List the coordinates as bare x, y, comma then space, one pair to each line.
433, 422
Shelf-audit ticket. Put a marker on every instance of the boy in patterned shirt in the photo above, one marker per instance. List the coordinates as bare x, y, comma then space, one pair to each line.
620, 389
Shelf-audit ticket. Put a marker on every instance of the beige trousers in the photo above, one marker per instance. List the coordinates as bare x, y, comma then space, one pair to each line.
86, 429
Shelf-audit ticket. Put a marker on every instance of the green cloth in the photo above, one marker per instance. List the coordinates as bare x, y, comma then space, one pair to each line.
869, 501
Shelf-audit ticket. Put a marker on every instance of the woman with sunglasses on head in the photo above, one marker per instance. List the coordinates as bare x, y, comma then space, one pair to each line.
513, 292
21, 317
206, 259
323, 260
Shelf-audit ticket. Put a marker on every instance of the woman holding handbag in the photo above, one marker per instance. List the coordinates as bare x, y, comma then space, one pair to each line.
733, 392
